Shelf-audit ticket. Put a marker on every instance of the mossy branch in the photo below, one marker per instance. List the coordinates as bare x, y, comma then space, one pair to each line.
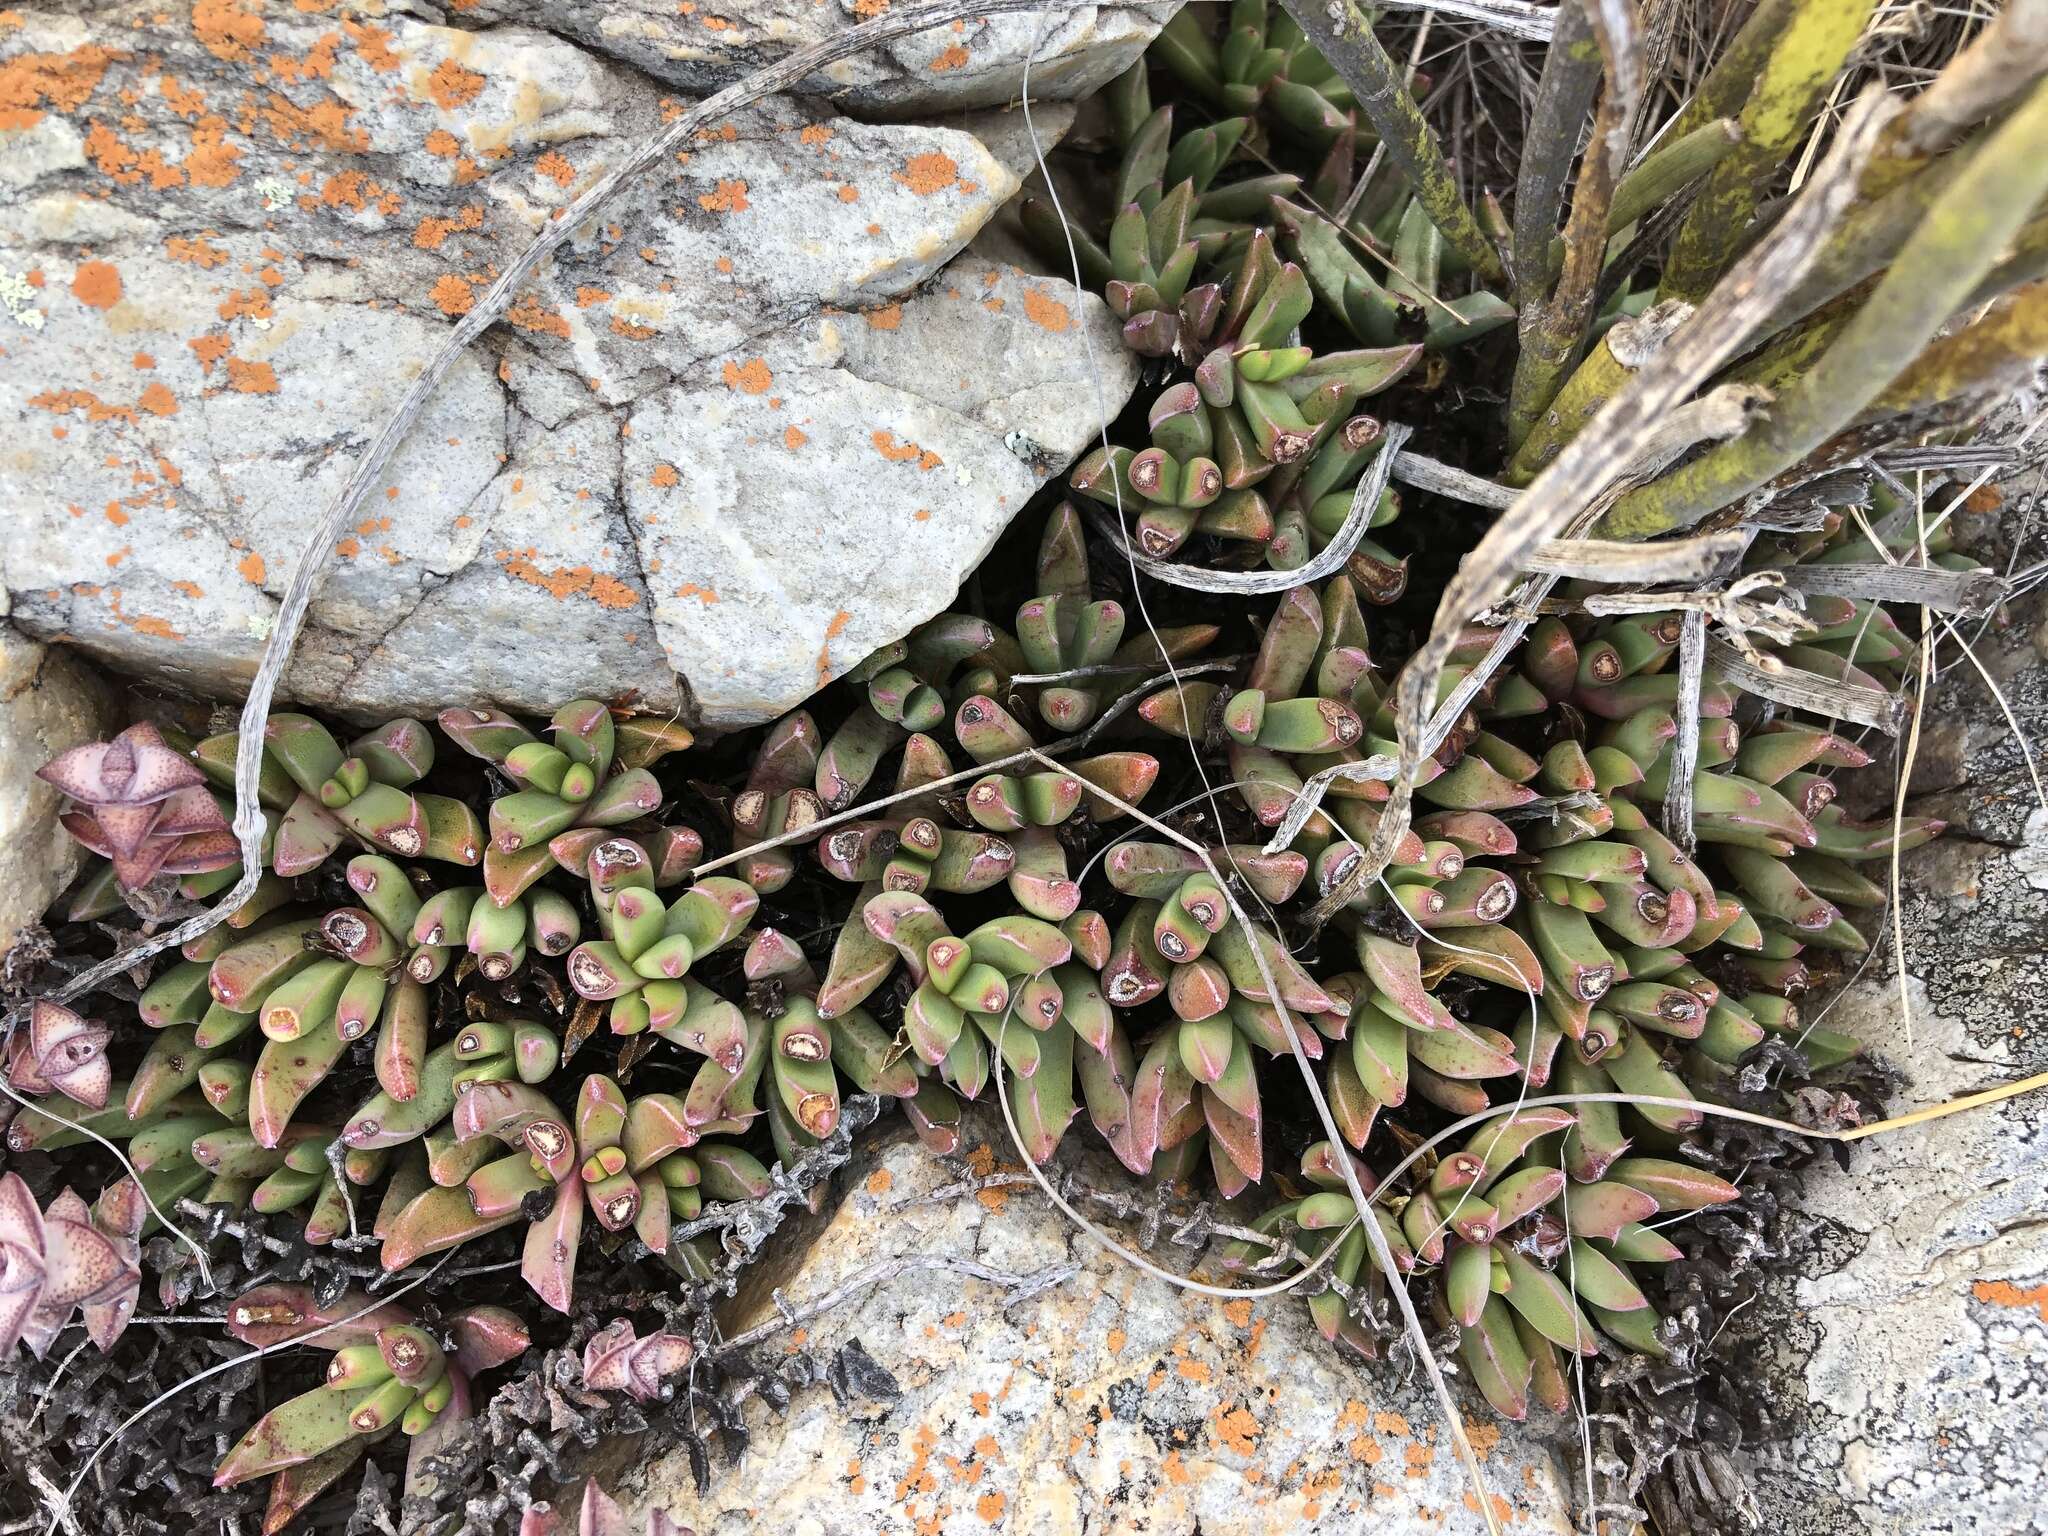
1961, 238
1571, 74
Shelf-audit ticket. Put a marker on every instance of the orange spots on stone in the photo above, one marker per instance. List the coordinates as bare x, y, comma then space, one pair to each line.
868, 10
833, 630
921, 515
442, 143
373, 45
247, 378
64, 402
142, 362
1045, 311
1237, 1429
665, 476
344, 189
751, 377
251, 568
1418, 1457
993, 306
849, 193
1175, 1469
990, 1506
888, 318
115, 515
1253, 1344
452, 86
953, 57
632, 330
2003, 1293
318, 64
184, 100
904, 452
119, 555
212, 161
530, 315
149, 624
928, 173
556, 167
194, 250
794, 438
227, 28
1193, 1370
190, 588
705, 595
348, 547
726, 197
815, 134
565, 582
158, 401
30, 82
246, 304
917, 1477
96, 284
210, 350
1239, 1313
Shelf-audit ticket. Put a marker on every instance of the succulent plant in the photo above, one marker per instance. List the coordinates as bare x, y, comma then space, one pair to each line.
68, 1258
139, 804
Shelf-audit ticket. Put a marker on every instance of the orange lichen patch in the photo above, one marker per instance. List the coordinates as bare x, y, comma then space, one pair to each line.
251, 568
529, 315
1043, 310
751, 377
1175, 1469
210, 349
665, 475
917, 1477
1237, 1429
344, 189
190, 588
246, 304
194, 250
833, 630
30, 82
96, 284
565, 582
814, 134
980, 1402
318, 64
879, 1181
904, 452
1418, 1457
143, 362
184, 100
373, 45
1239, 1313
1193, 1370
247, 378
116, 515
325, 124
794, 438
705, 595
227, 30
442, 143
990, 1506
954, 57
888, 318
928, 173
63, 402
452, 86
585, 297
868, 10
2003, 1293
119, 555
1258, 1338
1390, 1424
212, 161
849, 193
1116, 1340
632, 330
556, 167
726, 197
158, 401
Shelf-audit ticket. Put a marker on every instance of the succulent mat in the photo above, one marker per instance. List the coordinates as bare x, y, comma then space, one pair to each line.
1097, 844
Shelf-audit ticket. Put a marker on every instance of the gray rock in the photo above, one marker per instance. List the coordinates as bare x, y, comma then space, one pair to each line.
1914, 1356
1112, 1402
230, 243
980, 63
49, 703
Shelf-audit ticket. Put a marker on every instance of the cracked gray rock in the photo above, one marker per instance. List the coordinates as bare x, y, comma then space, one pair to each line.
1917, 1363
1109, 1402
755, 419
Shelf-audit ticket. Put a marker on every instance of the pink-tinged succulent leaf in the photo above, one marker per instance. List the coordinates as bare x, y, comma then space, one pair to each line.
200, 853
80, 1266
119, 1213
275, 1314
63, 1053
309, 1425
187, 812
487, 1337
295, 1487
126, 827
21, 1259
305, 837
135, 768
615, 1360
549, 1263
